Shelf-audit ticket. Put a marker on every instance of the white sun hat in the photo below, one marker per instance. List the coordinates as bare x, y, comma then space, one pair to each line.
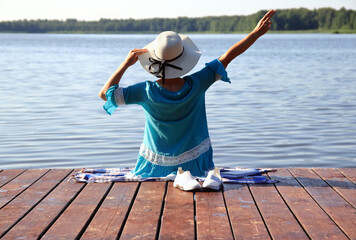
170, 55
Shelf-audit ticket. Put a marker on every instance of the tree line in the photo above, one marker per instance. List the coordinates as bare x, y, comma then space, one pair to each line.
322, 19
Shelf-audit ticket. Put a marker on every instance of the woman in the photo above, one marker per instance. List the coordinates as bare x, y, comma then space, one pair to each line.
176, 132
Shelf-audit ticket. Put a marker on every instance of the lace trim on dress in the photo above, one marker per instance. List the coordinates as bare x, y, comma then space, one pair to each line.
175, 160
119, 96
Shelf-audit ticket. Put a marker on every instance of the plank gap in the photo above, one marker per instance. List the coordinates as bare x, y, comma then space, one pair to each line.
318, 203
24, 189
348, 173
128, 211
338, 169
12, 178
290, 209
337, 192
161, 213
195, 216
38, 202
259, 211
324, 180
80, 234
61, 212
227, 211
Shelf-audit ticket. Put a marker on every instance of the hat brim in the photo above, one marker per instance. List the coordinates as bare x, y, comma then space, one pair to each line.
186, 61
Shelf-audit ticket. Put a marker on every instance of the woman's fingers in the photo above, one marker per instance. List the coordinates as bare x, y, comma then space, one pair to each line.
268, 15
134, 53
268, 18
132, 57
272, 12
139, 51
265, 24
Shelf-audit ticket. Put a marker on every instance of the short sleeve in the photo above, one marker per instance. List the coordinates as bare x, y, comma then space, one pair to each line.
212, 72
116, 96
219, 69
113, 99
135, 94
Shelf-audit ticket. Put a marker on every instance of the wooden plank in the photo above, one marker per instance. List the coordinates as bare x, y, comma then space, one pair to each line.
342, 213
279, 220
144, 217
350, 173
178, 215
7, 175
314, 220
245, 219
17, 208
36, 221
74, 218
110, 217
339, 183
19, 184
212, 218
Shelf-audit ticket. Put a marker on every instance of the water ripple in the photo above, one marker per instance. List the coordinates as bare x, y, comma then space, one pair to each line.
292, 101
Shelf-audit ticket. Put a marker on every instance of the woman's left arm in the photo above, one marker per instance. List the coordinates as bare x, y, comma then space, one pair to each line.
238, 48
115, 78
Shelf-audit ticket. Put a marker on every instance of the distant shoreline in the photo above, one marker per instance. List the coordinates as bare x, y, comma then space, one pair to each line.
296, 20
341, 31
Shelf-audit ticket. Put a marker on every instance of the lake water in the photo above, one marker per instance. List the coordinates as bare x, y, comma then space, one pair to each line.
292, 101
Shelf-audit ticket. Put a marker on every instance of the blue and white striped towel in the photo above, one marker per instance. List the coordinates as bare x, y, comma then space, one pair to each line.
229, 175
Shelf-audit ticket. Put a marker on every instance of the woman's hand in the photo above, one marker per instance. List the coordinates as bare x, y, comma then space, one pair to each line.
115, 78
132, 57
264, 24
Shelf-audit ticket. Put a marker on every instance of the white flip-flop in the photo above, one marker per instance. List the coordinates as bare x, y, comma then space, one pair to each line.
185, 181
213, 180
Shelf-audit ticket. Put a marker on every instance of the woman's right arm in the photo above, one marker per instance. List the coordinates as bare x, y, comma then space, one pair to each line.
115, 78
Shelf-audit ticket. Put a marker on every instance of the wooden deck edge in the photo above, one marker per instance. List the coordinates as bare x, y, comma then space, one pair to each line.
305, 177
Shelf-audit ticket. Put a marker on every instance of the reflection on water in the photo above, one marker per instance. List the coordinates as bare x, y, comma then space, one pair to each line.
292, 101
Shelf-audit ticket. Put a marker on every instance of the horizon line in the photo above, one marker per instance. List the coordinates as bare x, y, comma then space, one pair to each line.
149, 18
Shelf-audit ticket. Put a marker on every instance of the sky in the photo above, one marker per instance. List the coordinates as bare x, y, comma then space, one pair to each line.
138, 9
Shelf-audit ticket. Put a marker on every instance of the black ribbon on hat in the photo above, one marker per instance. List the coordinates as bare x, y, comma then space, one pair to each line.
162, 66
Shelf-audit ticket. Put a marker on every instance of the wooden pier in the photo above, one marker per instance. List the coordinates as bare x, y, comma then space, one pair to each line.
318, 203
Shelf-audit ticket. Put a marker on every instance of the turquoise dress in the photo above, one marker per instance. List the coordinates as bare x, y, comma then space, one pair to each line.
176, 130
